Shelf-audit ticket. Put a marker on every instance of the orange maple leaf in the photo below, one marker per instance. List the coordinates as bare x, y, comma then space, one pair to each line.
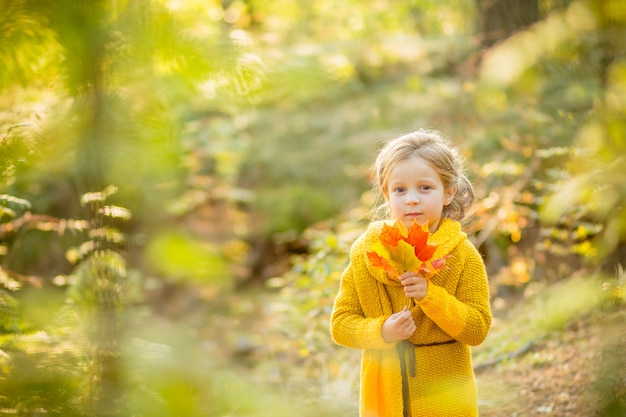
380, 262
425, 252
410, 252
390, 235
418, 238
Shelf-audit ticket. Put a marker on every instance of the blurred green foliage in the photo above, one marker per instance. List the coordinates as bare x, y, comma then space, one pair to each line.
154, 153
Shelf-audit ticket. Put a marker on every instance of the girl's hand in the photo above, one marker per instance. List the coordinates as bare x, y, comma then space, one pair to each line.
399, 326
414, 285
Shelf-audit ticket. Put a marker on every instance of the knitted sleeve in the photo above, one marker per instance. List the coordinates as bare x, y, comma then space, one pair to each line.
349, 325
466, 314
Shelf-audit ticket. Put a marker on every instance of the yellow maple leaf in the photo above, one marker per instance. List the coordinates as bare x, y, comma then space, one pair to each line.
399, 249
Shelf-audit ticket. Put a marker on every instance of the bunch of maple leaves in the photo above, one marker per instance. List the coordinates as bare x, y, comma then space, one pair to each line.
399, 250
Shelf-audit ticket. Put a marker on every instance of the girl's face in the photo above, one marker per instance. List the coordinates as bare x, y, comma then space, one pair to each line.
415, 192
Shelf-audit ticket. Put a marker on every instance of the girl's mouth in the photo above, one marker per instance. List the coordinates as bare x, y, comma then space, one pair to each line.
411, 215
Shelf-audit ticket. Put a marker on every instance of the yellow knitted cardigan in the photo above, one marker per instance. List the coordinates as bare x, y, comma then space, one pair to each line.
454, 314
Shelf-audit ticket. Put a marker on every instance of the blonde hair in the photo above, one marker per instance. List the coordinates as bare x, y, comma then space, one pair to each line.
440, 154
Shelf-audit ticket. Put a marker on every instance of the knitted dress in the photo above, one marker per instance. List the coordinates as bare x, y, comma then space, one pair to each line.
435, 368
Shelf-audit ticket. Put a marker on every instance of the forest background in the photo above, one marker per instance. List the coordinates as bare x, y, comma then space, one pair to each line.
180, 183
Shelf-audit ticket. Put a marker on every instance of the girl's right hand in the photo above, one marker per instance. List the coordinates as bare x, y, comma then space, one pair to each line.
399, 326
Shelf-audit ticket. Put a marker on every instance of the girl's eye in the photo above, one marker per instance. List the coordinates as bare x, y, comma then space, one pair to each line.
398, 190
425, 187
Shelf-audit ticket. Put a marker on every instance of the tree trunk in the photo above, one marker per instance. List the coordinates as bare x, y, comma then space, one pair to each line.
499, 19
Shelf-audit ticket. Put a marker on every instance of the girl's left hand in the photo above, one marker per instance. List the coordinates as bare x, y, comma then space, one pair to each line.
414, 285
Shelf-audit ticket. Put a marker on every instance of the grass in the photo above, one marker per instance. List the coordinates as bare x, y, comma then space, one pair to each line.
545, 309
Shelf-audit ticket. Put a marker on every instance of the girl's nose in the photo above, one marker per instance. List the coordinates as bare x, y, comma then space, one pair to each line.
412, 199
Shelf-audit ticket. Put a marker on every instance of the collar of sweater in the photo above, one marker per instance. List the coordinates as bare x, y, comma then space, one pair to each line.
447, 237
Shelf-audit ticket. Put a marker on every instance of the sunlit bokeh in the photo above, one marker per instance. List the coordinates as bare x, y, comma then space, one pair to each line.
181, 182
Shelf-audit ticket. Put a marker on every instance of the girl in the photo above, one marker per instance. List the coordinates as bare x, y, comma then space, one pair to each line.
416, 360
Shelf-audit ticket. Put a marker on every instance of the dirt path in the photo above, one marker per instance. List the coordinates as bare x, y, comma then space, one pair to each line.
557, 377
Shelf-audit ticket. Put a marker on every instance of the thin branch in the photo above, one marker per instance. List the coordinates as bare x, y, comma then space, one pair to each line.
527, 347
13, 127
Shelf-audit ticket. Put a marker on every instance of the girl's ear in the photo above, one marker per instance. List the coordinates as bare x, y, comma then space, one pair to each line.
450, 193
386, 206
386, 197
